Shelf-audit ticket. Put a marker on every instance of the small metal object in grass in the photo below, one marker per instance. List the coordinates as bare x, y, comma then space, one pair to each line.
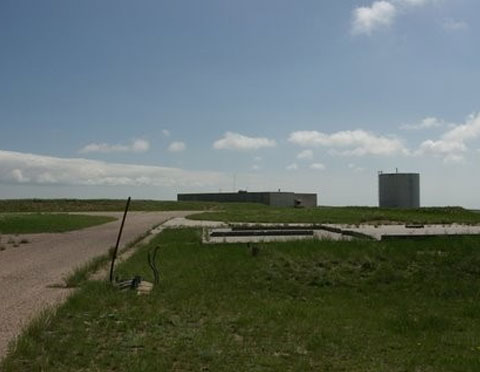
129, 283
137, 283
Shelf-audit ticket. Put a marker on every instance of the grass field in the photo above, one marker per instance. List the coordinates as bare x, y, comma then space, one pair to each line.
244, 212
296, 306
97, 205
350, 215
11, 223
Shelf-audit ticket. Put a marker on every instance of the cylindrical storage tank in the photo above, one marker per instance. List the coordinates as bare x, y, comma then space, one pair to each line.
399, 190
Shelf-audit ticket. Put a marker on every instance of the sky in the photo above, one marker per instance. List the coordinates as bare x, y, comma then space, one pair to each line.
110, 99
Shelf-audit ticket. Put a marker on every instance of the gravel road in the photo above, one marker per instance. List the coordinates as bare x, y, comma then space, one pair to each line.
31, 272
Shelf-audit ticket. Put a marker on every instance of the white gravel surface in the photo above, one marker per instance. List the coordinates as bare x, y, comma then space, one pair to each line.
31, 272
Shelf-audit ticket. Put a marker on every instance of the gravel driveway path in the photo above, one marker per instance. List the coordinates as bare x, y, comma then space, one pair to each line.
30, 272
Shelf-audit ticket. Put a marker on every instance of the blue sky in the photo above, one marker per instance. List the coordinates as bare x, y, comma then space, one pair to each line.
150, 98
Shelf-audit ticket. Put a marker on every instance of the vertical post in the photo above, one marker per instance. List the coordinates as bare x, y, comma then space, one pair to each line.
114, 255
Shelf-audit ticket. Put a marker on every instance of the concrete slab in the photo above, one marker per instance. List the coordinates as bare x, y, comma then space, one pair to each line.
180, 222
257, 237
377, 232
337, 231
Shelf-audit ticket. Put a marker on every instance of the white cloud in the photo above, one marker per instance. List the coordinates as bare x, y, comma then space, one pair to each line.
235, 141
382, 14
454, 25
442, 147
16, 167
452, 145
18, 176
177, 146
256, 167
317, 166
358, 141
292, 167
305, 155
166, 132
137, 145
140, 145
367, 19
426, 123
465, 132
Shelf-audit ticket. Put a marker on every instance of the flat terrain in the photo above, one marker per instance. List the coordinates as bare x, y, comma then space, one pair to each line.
98, 205
395, 305
249, 212
339, 215
297, 306
31, 223
31, 272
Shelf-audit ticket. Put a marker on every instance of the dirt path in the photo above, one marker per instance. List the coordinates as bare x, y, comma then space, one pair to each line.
28, 272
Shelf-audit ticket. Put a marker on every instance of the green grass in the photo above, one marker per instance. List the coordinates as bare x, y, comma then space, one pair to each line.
249, 212
350, 215
11, 223
101, 205
297, 306
82, 273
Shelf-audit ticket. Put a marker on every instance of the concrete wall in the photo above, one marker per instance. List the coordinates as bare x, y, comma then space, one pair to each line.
226, 197
399, 190
274, 199
306, 200
281, 199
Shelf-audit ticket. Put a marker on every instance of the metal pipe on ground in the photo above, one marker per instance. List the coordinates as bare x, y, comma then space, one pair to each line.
115, 251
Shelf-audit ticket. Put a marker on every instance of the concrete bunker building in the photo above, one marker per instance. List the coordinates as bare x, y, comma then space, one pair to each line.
274, 199
399, 190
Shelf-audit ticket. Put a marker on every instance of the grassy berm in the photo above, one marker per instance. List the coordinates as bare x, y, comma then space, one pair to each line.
297, 306
348, 215
26, 223
250, 212
100, 205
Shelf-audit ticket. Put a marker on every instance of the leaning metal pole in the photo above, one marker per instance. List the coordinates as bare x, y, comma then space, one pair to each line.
114, 255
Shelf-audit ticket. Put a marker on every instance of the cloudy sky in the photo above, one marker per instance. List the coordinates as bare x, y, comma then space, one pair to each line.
150, 98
